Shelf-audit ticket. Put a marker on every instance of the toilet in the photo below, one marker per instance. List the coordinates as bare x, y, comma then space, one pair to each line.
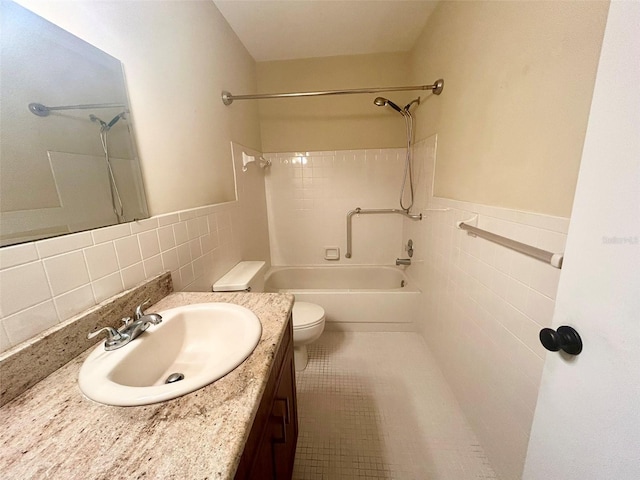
308, 318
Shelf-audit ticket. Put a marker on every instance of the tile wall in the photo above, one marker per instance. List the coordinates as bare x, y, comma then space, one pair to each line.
310, 193
483, 307
46, 282
483, 304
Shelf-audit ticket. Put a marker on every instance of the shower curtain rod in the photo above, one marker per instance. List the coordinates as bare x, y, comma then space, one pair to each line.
228, 98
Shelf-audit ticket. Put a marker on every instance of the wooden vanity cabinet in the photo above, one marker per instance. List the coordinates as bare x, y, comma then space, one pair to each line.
271, 446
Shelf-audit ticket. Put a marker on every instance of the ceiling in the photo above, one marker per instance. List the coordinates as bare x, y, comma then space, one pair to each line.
290, 29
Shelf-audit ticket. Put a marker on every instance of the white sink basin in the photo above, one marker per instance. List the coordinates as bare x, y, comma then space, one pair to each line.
203, 342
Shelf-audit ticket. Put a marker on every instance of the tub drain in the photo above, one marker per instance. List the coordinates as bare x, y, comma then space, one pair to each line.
174, 377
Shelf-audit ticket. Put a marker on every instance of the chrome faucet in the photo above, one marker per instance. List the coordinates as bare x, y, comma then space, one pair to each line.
131, 329
409, 249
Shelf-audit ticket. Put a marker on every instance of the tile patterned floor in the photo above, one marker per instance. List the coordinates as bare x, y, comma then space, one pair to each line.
376, 406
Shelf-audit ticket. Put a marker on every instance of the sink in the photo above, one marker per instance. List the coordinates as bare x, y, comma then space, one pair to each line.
194, 346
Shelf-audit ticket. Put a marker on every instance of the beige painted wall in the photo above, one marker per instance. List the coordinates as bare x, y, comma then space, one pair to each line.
341, 122
519, 78
178, 57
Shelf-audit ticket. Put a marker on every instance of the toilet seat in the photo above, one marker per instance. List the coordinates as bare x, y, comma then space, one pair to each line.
307, 315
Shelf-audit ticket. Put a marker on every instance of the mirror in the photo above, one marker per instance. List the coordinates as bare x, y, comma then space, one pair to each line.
67, 151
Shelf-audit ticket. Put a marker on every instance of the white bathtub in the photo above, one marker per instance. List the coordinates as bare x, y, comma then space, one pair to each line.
365, 298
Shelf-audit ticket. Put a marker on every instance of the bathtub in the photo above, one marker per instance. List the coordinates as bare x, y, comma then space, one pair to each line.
361, 298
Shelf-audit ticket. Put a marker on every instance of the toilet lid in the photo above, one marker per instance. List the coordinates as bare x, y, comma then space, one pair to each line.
307, 314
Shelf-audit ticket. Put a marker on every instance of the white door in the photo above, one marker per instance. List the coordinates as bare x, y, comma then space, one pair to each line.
587, 421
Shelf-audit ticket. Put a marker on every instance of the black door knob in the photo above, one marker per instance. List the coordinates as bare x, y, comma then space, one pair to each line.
565, 338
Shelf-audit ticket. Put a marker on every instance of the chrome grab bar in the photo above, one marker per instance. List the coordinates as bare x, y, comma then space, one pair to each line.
360, 211
553, 259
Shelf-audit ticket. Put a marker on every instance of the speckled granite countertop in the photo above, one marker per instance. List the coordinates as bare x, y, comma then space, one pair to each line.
53, 431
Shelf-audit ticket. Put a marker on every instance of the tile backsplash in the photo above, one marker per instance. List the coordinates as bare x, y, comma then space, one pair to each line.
46, 282
24, 366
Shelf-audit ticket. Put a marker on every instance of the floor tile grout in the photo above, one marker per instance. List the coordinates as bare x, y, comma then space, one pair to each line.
375, 405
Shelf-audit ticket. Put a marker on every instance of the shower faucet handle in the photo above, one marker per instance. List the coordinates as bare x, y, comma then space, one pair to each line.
409, 248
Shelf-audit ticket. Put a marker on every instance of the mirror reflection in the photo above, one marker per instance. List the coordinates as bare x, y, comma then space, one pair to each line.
67, 152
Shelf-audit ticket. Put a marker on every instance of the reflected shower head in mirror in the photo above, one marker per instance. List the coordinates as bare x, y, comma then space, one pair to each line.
115, 119
39, 109
104, 125
93, 118
383, 102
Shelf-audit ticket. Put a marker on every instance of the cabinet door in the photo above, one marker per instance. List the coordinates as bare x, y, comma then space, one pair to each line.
270, 448
264, 466
285, 414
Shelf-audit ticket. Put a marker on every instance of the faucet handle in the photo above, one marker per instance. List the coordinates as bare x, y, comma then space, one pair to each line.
139, 313
409, 248
113, 335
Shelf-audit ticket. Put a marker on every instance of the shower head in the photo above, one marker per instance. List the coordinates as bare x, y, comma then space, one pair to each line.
39, 109
93, 118
383, 102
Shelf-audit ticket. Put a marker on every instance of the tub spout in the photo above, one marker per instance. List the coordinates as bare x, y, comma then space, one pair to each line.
403, 261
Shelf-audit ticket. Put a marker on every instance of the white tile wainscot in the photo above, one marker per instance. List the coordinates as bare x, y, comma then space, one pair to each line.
46, 282
483, 307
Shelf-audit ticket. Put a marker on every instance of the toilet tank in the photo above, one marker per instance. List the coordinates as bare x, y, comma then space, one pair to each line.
245, 276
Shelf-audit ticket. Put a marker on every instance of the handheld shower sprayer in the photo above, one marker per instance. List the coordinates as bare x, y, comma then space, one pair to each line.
408, 119
116, 200
383, 102
93, 118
